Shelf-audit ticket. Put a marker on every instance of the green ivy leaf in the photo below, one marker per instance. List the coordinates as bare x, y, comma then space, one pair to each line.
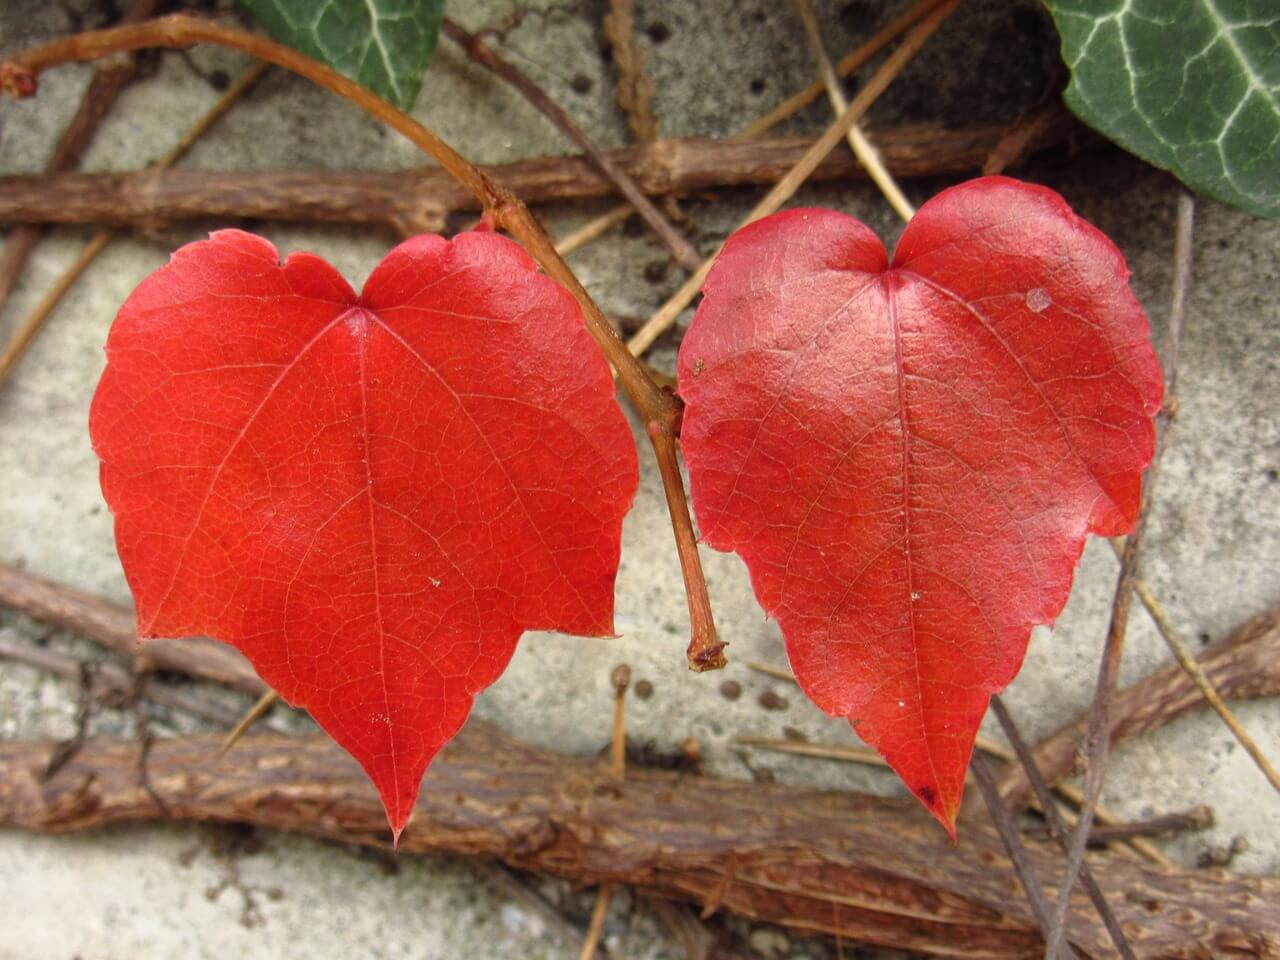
1192, 86
384, 44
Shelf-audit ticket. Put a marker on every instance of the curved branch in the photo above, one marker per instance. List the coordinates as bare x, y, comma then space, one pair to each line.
660, 409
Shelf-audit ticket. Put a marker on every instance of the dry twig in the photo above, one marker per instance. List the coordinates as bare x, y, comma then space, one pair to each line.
420, 200
791, 182
672, 238
27, 330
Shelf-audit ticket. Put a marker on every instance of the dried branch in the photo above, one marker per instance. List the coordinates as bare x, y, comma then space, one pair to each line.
786, 187
109, 679
1243, 666
851, 62
114, 627
862, 147
863, 868
635, 87
27, 330
673, 239
419, 200
1058, 829
108, 80
1022, 866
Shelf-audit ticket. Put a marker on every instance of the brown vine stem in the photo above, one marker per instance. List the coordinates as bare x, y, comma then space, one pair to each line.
796, 176
1057, 826
659, 409
27, 330
1097, 742
476, 49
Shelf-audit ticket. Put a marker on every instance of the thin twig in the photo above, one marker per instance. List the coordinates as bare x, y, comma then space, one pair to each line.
848, 64
512, 886
635, 87
476, 49
1097, 743
789, 184
1057, 826
27, 330
1188, 663
108, 80
596, 928
780, 673
659, 409
111, 678
862, 148
594, 229
261, 707
853, 753
1022, 865
1181, 821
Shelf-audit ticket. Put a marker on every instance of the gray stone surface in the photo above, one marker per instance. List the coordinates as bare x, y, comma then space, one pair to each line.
1214, 538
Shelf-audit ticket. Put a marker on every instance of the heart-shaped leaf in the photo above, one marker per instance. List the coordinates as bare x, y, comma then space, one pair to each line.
1191, 87
370, 496
909, 455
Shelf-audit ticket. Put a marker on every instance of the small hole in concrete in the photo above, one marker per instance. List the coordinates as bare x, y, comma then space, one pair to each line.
659, 32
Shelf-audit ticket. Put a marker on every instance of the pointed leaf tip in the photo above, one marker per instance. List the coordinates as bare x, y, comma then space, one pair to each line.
908, 454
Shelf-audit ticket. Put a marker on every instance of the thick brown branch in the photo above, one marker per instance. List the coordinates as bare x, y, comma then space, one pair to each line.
1246, 664
419, 200
869, 869
115, 627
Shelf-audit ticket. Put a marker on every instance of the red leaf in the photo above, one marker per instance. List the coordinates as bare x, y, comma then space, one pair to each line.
372, 497
909, 456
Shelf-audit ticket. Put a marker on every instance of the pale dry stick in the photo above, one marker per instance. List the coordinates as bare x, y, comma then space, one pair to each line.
1050, 924
1097, 741
789, 184
659, 409
1057, 825
854, 754
594, 229
596, 928
780, 673
849, 63
862, 148
261, 707
476, 49
1187, 661
620, 679
26, 332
